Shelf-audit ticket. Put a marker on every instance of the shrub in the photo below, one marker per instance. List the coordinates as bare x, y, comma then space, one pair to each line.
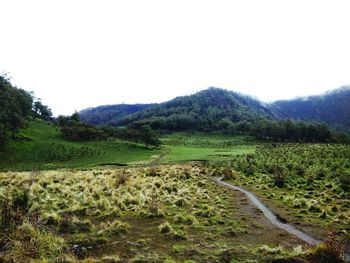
278, 178
330, 251
154, 208
344, 181
228, 174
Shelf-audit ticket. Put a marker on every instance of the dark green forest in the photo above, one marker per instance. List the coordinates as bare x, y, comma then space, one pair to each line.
211, 110
332, 108
110, 114
224, 111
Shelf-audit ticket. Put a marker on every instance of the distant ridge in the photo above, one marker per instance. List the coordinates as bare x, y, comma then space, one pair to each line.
332, 108
206, 109
203, 111
110, 114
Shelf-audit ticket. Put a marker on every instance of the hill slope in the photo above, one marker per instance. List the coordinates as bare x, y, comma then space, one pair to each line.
333, 108
208, 109
203, 110
109, 114
44, 148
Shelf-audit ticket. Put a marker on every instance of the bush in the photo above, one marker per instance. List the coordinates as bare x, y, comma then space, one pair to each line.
228, 174
331, 251
344, 182
278, 178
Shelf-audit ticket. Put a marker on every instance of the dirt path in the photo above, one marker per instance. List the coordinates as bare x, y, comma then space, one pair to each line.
272, 218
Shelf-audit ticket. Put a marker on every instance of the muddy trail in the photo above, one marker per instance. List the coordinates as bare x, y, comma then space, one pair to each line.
271, 217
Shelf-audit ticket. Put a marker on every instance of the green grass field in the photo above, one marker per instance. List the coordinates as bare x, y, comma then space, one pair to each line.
47, 150
182, 147
170, 211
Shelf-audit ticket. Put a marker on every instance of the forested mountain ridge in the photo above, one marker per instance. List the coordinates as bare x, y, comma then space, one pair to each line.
332, 108
110, 114
205, 110
218, 109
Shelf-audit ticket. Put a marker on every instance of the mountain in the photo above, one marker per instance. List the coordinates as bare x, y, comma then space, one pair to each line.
214, 108
110, 114
332, 108
201, 111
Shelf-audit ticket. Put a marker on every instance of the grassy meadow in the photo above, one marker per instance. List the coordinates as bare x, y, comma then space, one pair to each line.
308, 183
44, 148
67, 201
157, 214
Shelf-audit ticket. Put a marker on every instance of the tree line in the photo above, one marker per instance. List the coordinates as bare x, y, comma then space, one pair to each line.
73, 129
284, 131
17, 106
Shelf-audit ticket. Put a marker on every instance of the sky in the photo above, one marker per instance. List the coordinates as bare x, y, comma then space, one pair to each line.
76, 54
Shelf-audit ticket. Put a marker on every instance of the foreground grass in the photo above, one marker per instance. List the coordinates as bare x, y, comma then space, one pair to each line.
43, 148
158, 214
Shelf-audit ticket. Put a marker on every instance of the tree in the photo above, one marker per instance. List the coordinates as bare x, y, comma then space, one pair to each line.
15, 107
42, 111
148, 136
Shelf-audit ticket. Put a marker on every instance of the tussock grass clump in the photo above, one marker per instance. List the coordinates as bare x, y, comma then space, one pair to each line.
229, 174
167, 229
150, 257
155, 208
185, 219
14, 207
122, 178
110, 259
344, 181
270, 250
205, 211
331, 250
28, 243
51, 218
115, 227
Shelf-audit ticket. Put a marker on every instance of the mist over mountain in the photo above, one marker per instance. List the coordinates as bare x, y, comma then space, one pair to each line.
332, 108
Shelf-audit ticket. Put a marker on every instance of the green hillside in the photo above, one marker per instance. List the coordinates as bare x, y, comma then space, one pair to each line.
44, 148
213, 108
202, 111
110, 114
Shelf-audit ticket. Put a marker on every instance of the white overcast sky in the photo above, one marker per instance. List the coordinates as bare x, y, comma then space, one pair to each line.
79, 53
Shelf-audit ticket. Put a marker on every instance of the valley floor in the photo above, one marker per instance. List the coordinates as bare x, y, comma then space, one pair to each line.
167, 213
